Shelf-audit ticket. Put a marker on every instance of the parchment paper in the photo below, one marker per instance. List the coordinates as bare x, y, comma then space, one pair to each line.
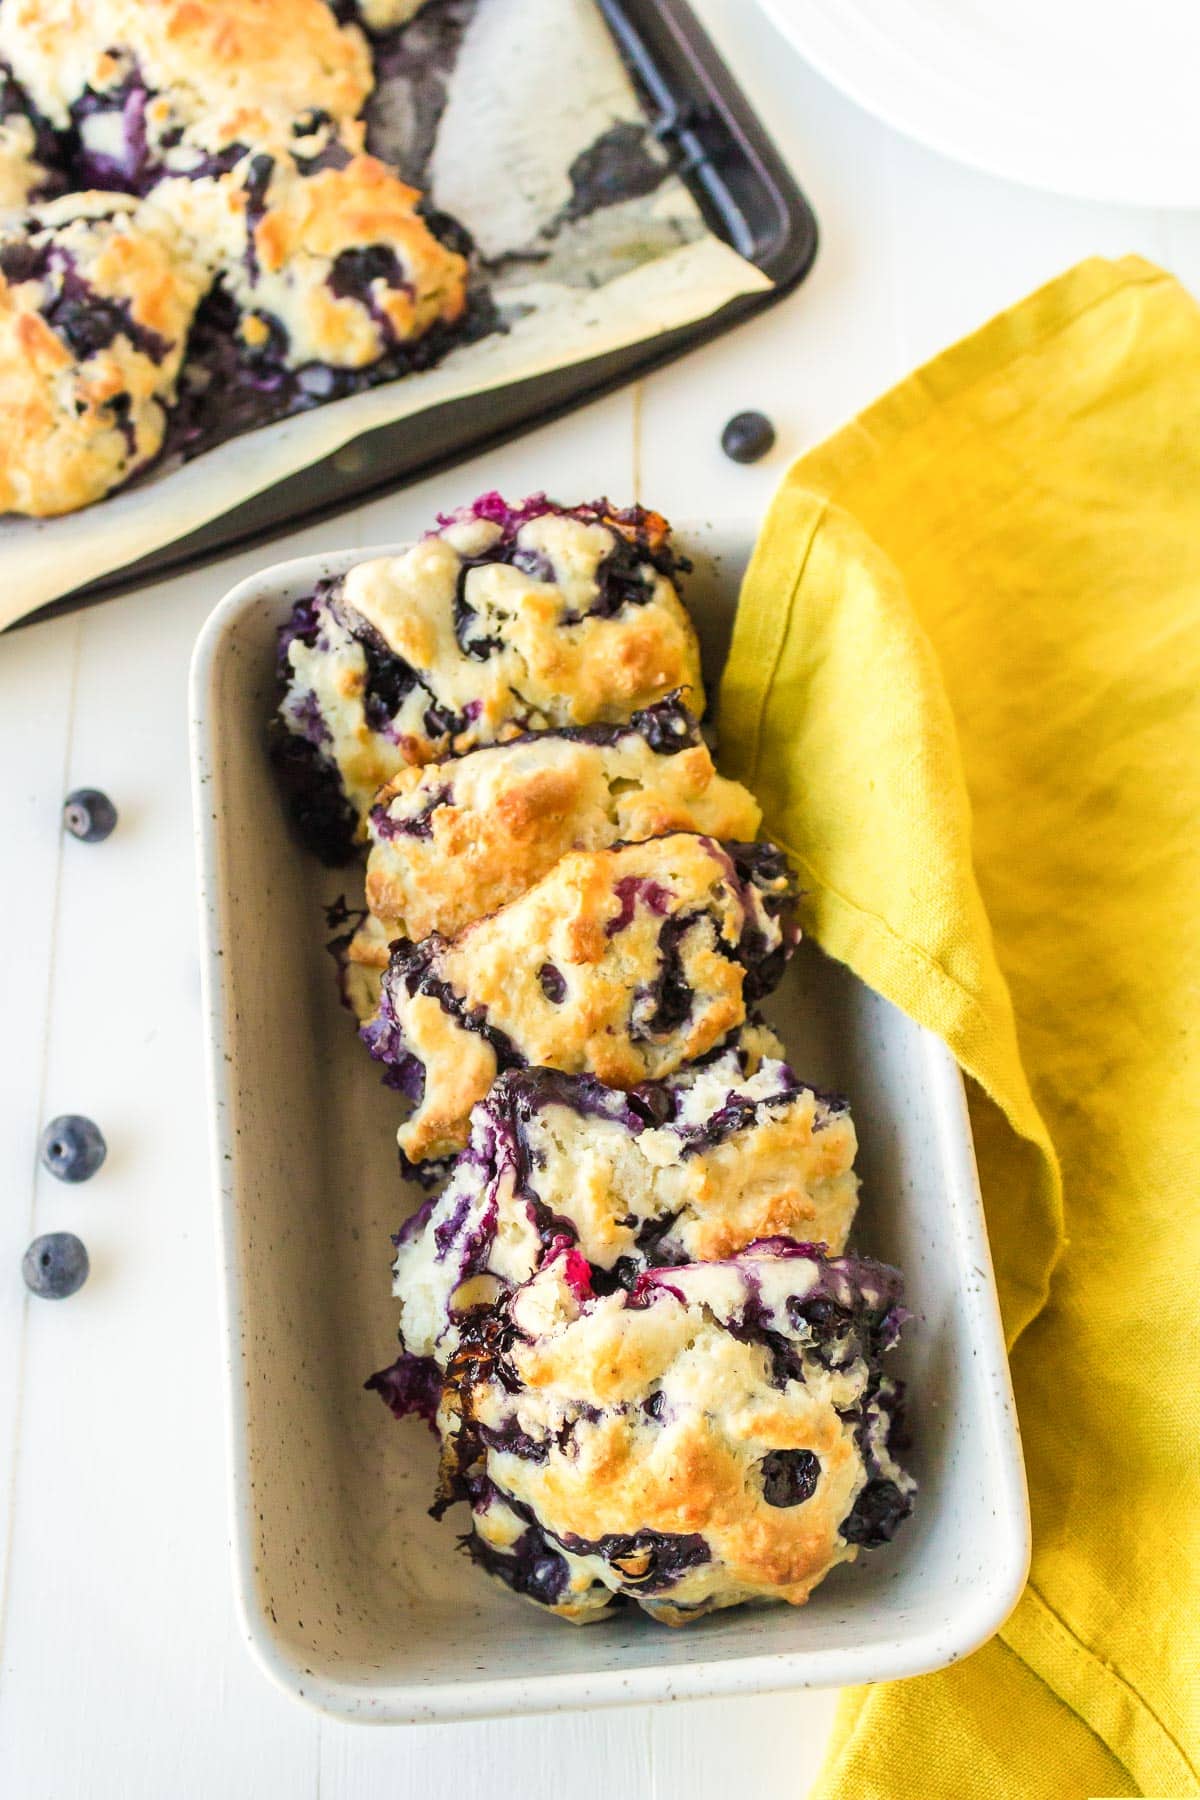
525, 134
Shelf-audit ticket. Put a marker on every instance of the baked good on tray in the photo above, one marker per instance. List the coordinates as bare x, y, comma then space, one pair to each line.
504, 619
454, 840
320, 272
628, 1313
328, 267
717, 1433
624, 964
692, 1168
158, 87
97, 292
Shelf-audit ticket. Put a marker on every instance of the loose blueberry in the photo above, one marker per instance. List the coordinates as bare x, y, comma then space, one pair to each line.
89, 815
72, 1148
55, 1266
748, 436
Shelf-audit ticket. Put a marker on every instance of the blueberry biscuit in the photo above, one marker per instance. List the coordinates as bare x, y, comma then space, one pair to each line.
622, 963
718, 1434
690, 1169
504, 619
184, 87
329, 269
97, 293
457, 839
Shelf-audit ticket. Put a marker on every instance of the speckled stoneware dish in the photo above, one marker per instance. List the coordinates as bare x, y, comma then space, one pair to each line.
351, 1597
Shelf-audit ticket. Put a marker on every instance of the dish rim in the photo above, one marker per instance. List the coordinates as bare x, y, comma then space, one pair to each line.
984, 1608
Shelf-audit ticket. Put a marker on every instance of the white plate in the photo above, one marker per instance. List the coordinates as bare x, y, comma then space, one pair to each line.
349, 1595
1089, 97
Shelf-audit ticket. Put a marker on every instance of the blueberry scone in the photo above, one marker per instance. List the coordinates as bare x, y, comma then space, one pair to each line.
689, 1169
183, 87
718, 1434
457, 839
97, 293
330, 268
505, 619
622, 963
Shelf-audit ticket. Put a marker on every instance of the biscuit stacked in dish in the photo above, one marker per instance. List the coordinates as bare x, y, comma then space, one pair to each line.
214, 154
625, 1308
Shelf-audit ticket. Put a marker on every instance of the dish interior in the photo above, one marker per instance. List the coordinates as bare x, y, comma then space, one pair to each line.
352, 1596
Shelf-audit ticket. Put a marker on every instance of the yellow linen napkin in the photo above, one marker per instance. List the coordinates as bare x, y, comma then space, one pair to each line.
965, 684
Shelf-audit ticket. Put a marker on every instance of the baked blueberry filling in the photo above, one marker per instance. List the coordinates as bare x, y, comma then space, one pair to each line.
390, 680
877, 1514
412, 969
641, 534
256, 388
23, 260
790, 1477
418, 824
312, 793
355, 273
111, 150
510, 1204
632, 891
666, 1003
46, 148
667, 728
423, 710
651, 1561
657, 1009
552, 983
411, 1385
531, 1567
512, 1452
86, 321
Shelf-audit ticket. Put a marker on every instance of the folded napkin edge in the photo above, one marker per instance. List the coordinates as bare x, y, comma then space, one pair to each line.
1094, 1689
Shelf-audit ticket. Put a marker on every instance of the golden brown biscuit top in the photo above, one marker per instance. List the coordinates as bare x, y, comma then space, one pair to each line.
97, 293
622, 963
454, 840
742, 1153
540, 616
222, 61
340, 262
693, 1443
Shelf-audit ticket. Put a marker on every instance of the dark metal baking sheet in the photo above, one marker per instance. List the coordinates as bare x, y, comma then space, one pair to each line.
748, 197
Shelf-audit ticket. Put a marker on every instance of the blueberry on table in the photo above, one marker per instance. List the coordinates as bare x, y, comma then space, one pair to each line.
72, 1147
55, 1266
747, 436
89, 815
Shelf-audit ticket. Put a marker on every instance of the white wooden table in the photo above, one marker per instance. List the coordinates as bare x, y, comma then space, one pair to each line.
122, 1673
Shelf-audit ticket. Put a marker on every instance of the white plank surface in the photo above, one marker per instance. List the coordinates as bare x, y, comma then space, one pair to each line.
122, 1673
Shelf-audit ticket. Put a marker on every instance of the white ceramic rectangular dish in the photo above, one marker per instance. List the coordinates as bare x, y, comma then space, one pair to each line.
350, 1596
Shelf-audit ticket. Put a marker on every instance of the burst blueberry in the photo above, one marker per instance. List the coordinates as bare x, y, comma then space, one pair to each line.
89, 815
789, 1477
72, 1147
55, 1266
